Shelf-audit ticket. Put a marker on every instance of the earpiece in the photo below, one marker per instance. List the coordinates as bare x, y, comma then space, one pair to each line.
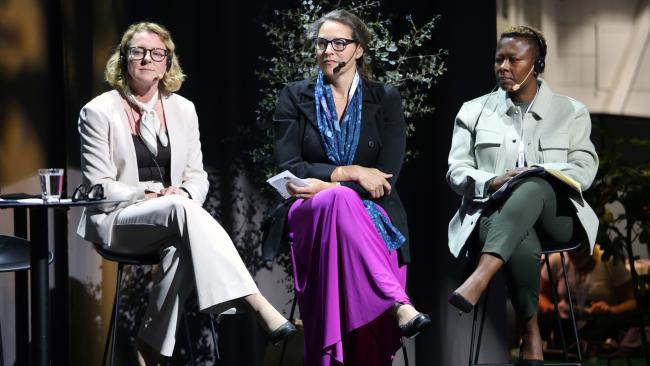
169, 61
123, 61
540, 62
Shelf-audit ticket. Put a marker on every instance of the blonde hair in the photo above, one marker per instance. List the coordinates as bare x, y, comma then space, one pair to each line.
116, 73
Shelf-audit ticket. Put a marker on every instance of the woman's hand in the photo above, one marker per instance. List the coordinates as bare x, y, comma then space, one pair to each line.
497, 182
598, 307
563, 308
373, 180
148, 195
315, 186
172, 190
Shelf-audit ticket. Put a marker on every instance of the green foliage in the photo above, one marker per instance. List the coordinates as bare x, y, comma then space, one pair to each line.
621, 199
406, 61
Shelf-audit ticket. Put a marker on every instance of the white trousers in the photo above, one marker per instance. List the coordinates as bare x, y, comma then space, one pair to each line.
195, 251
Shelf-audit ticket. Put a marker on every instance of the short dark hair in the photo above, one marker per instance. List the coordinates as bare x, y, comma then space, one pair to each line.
360, 33
533, 35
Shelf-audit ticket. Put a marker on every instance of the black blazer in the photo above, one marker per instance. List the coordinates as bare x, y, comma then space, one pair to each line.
382, 141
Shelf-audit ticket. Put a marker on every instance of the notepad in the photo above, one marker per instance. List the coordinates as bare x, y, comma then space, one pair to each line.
280, 181
505, 189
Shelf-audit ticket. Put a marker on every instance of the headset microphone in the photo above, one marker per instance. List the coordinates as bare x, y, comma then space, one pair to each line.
518, 85
342, 64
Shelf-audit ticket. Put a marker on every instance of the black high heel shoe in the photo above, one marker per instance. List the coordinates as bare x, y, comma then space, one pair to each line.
281, 333
460, 302
414, 326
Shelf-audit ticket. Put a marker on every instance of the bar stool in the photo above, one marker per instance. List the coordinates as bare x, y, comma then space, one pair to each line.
473, 357
14, 256
135, 260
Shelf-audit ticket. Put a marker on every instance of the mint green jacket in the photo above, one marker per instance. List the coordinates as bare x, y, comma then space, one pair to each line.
556, 135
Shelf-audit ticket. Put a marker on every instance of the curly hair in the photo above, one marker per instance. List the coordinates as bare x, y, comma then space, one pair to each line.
116, 73
360, 33
534, 36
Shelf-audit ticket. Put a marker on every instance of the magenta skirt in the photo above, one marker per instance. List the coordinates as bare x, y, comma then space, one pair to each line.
346, 281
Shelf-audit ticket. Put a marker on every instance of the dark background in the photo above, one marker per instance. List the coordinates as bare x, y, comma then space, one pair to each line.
219, 44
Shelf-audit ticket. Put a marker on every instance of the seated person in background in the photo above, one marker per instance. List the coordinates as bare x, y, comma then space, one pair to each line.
601, 290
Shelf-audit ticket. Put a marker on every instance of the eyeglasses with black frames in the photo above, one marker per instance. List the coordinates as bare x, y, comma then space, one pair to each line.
94, 193
338, 44
157, 54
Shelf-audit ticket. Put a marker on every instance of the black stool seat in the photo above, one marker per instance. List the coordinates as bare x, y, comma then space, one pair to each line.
14, 254
129, 259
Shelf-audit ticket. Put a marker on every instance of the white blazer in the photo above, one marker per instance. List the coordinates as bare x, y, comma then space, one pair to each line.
108, 158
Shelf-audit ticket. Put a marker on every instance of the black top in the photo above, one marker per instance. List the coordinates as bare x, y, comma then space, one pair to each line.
382, 141
150, 168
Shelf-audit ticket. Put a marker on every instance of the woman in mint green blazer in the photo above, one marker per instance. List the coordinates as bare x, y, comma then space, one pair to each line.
497, 136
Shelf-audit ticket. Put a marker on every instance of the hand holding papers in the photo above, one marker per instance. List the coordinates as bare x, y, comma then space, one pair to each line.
505, 189
280, 181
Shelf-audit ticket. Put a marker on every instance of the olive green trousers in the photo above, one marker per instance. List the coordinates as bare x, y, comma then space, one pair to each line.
536, 215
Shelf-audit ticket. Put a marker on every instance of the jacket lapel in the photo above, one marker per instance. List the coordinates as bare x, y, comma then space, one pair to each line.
123, 142
369, 108
176, 140
309, 110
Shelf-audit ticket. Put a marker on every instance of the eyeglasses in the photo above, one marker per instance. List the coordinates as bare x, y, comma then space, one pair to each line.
157, 54
338, 44
82, 192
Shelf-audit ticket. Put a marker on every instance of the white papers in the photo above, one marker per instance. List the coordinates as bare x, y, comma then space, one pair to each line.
279, 182
30, 201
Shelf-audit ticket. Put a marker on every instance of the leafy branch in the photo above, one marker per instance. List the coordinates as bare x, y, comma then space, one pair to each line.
406, 61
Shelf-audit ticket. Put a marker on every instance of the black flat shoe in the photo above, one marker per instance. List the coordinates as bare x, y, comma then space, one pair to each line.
460, 302
530, 363
281, 333
415, 325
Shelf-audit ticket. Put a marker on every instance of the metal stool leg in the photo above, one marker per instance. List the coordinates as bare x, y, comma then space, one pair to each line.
473, 336
2, 356
188, 338
109, 334
473, 357
571, 314
406, 356
112, 328
481, 325
560, 329
215, 336
284, 344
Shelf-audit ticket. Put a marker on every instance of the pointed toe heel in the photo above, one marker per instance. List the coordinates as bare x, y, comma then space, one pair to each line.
281, 333
459, 302
415, 325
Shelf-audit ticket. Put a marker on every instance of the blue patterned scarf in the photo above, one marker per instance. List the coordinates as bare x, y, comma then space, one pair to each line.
340, 144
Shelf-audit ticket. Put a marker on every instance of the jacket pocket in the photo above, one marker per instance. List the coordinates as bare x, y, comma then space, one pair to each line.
554, 147
487, 148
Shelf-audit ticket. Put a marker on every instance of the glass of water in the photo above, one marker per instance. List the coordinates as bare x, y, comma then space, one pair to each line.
51, 183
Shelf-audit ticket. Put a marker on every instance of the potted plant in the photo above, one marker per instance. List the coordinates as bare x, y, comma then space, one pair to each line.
620, 196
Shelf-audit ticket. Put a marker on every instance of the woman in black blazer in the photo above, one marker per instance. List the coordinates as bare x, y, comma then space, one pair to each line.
348, 226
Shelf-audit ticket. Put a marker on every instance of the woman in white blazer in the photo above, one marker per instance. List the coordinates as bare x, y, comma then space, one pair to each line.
141, 142
498, 136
